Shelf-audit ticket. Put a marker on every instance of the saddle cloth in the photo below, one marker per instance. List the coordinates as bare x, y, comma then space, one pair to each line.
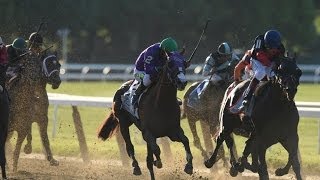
127, 97
195, 95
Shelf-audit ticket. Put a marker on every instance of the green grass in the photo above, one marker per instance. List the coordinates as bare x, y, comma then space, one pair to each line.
66, 143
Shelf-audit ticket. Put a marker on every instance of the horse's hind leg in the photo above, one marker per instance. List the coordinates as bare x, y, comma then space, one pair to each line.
28, 147
196, 140
21, 136
43, 127
230, 143
124, 129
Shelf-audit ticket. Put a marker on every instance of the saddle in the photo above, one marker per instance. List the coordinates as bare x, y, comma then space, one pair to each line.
127, 97
235, 95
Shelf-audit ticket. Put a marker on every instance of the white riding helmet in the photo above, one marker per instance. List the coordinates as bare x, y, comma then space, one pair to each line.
224, 49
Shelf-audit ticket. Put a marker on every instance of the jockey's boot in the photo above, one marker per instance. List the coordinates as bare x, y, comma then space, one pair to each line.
249, 92
137, 94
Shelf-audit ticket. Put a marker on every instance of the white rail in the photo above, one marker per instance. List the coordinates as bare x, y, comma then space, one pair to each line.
84, 72
306, 109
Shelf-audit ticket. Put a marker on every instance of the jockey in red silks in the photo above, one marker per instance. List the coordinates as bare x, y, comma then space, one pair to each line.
261, 58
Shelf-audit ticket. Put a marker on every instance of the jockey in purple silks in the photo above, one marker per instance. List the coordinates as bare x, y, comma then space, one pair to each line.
149, 63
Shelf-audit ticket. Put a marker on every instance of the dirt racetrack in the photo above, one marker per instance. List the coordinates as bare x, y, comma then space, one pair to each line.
34, 167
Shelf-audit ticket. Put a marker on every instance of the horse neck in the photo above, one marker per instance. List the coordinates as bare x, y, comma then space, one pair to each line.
274, 98
164, 90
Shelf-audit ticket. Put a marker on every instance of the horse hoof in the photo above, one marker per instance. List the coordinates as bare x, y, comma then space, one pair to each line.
239, 167
158, 164
208, 163
27, 149
54, 162
137, 171
281, 172
188, 169
233, 172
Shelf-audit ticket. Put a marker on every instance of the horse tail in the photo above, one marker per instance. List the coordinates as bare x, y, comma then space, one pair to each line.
109, 127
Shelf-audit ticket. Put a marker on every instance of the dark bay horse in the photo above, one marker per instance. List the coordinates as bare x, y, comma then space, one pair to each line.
50, 75
159, 116
275, 117
207, 110
28, 95
4, 120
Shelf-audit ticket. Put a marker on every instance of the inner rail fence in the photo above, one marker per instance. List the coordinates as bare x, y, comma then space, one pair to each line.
124, 72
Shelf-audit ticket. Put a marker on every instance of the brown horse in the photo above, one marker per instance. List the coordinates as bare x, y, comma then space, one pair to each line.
159, 116
207, 110
28, 94
50, 75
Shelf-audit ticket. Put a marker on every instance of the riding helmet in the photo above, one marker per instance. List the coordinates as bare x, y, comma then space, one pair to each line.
272, 39
19, 43
169, 45
224, 49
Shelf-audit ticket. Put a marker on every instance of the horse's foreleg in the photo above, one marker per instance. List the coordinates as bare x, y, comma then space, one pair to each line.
291, 145
43, 127
150, 161
151, 141
209, 163
185, 141
230, 143
263, 171
28, 147
196, 139
124, 129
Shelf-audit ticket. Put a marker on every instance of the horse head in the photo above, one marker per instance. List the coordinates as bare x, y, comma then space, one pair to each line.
288, 74
51, 71
176, 70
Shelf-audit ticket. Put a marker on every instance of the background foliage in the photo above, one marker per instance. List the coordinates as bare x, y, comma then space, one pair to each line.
109, 31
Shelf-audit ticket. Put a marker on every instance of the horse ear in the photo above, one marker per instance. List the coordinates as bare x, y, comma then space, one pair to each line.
183, 50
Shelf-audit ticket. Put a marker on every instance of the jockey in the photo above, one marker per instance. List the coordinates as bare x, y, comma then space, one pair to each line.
16, 52
3, 64
35, 43
148, 63
217, 63
262, 58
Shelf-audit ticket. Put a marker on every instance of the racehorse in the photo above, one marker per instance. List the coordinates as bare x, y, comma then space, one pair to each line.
275, 117
159, 116
207, 110
28, 94
50, 75
4, 117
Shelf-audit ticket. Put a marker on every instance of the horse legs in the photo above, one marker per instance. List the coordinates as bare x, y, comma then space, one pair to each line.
151, 141
291, 145
181, 137
124, 129
249, 149
230, 143
2, 151
28, 147
209, 163
21, 136
43, 127
263, 171
150, 161
196, 139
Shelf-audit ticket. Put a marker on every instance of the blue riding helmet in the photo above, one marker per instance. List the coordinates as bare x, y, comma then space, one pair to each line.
272, 39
